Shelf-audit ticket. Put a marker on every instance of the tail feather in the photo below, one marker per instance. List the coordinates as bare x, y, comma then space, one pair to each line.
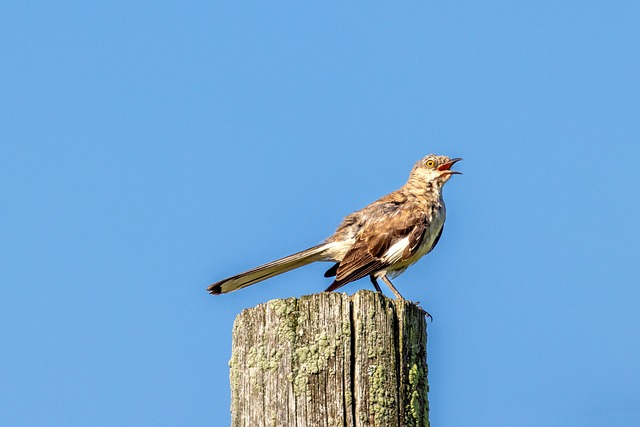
271, 269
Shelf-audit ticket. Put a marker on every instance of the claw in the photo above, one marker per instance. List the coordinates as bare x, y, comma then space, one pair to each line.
426, 314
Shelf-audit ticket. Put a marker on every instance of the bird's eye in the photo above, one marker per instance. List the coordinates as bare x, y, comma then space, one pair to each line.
430, 163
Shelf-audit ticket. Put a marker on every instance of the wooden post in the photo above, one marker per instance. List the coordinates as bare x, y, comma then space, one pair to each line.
329, 360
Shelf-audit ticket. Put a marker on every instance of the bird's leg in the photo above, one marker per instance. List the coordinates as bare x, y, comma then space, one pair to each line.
375, 283
395, 291
386, 280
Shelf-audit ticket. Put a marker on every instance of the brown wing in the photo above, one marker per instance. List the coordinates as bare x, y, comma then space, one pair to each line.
357, 263
366, 255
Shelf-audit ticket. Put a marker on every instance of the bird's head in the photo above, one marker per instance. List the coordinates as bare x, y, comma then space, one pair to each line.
434, 168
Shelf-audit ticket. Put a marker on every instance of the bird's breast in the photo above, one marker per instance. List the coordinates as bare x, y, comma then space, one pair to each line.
432, 230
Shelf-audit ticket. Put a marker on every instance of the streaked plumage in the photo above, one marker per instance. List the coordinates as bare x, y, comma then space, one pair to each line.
380, 240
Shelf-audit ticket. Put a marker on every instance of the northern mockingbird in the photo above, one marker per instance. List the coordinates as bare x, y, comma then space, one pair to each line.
380, 241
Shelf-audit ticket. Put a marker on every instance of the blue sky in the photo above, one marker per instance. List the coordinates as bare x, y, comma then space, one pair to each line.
149, 149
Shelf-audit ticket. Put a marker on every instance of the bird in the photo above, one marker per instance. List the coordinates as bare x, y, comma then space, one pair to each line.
380, 240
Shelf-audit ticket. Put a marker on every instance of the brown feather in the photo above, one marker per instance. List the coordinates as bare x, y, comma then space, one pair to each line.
415, 238
376, 237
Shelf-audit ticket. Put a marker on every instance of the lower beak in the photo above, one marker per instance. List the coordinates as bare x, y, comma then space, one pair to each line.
446, 167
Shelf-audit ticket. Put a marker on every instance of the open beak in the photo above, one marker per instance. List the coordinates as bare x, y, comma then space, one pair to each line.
446, 167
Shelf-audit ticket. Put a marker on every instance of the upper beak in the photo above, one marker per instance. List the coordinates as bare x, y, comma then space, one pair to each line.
447, 166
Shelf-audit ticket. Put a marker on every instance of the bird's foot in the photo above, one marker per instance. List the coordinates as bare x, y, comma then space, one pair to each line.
426, 313
428, 316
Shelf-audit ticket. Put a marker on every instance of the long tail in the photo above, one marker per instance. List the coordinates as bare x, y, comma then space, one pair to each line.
274, 268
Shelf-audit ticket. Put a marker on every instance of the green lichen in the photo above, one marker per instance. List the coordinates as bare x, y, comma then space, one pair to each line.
287, 312
263, 355
266, 360
346, 328
415, 407
274, 418
373, 349
233, 361
234, 380
382, 403
313, 358
412, 342
300, 381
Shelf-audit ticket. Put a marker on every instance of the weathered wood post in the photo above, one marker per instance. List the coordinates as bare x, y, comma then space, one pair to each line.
330, 360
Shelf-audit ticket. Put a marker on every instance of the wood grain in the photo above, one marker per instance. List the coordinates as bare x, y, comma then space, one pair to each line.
329, 360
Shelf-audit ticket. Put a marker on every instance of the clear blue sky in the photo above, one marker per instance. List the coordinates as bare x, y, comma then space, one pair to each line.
149, 149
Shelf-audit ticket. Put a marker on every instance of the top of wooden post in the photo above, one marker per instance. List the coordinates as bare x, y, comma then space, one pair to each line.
330, 359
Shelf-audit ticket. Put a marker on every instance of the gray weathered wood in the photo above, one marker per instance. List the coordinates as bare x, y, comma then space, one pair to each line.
330, 360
